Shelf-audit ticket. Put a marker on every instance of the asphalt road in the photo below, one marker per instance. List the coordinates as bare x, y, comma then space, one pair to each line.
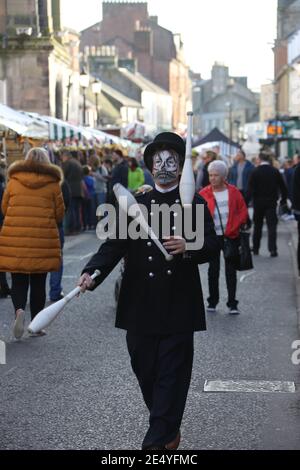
74, 388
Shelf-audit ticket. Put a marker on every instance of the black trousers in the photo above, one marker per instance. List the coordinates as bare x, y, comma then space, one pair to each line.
3, 281
265, 210
163, 367
19, 291
213, 280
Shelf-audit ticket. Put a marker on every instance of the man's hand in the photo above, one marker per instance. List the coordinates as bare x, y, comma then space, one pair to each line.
86, 282
176, 244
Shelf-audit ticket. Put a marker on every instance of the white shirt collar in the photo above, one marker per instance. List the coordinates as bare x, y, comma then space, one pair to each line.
161, 190
265, 163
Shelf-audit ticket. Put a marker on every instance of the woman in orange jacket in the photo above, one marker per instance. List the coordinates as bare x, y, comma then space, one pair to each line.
32, 206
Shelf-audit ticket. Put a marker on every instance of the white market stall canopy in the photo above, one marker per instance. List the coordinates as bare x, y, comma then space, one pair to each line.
22, 124
57, 129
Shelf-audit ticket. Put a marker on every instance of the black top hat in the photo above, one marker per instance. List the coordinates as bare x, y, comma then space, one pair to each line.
167, 139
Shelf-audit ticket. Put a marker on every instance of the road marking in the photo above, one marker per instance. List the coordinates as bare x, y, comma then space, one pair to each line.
254, 386
2, 352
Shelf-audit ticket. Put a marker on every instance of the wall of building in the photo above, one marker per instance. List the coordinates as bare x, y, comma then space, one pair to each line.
267, 102
114, 13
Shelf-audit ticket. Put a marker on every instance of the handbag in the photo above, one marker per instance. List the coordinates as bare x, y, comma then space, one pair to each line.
231, 246
245, 256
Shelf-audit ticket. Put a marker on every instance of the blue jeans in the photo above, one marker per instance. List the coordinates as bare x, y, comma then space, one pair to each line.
56, 277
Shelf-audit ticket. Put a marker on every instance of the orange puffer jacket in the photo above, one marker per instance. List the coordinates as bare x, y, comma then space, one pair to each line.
32, 206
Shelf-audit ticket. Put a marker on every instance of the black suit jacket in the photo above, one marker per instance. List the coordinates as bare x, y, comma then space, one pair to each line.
157, 296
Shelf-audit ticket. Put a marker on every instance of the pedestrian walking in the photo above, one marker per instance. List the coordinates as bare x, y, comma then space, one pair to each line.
73, 174
55, 283
240, 172
136, 176
29, 241
160, 302
264, 187
229, 212
4, 287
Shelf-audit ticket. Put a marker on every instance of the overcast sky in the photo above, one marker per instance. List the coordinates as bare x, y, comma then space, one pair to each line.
238, 33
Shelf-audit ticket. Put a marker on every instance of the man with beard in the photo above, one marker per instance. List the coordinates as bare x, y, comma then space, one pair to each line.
160, 302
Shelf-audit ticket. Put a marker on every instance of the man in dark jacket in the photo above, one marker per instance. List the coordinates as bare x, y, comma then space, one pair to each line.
4, 288
119, 174
265, 185
296, 205
160, 302
240, 172
73, 174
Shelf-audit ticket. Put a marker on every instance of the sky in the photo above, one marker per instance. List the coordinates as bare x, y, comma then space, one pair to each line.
237, 33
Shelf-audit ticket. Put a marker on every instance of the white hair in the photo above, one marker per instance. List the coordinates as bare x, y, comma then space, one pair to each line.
219, 166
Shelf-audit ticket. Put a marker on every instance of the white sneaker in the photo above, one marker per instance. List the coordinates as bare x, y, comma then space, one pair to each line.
234, 311
19, 324
211, 309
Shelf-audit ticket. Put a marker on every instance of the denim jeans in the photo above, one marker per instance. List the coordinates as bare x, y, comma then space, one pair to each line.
56, 277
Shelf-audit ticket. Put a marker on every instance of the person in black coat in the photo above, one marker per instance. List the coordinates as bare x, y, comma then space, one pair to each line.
264, 187
4, 287
296, 205
160, 302
119, 174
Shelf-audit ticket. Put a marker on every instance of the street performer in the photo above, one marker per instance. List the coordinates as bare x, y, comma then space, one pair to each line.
160, 302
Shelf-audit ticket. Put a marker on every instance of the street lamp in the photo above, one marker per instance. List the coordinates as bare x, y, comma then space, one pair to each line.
69, 86
96, 88
84, 80
229, 105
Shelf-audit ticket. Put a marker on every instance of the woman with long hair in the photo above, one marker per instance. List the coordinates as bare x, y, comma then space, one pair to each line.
32, 206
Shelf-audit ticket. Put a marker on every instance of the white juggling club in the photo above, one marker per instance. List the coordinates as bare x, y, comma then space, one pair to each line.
187, 186
129, 204
48, 314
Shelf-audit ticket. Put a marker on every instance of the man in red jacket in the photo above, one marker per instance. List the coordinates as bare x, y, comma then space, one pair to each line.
229, 211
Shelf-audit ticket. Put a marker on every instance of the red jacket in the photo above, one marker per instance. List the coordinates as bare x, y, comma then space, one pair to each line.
238, 212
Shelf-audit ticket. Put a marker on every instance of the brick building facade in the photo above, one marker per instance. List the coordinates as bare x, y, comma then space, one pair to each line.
157, 53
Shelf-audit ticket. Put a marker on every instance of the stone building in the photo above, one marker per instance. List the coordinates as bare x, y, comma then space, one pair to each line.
37, 58
225, 102
288, 22
138, 38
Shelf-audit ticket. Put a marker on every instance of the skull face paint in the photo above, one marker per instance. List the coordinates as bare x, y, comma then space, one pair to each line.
165, 166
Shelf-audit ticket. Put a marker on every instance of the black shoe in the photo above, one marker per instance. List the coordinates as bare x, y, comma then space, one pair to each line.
274, 254
234, 311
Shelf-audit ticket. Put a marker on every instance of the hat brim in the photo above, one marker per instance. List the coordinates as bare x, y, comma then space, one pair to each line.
152, 148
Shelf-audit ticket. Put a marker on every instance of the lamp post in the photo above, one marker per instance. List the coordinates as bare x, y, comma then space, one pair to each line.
230, 86
96, 88
229, 105
84, 80
69, 86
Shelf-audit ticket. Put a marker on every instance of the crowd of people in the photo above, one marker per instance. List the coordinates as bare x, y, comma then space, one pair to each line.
87, 183
41, 201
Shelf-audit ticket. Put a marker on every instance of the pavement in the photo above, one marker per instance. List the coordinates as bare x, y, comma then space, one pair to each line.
74, 388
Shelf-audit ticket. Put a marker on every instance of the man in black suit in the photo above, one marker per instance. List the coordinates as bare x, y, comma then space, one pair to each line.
160, 302
265, 185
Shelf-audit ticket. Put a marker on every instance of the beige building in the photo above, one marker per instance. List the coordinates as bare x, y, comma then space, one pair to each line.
267, 102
